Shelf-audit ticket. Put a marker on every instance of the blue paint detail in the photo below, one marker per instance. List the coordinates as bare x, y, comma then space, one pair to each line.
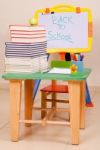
59, 36
36, 86
88, 98
62, 21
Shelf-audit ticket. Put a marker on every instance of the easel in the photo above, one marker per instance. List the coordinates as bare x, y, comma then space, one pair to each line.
67, 8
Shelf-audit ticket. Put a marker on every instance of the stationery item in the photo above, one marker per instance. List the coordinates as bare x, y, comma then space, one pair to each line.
26, 53
60, 64
43, 62
81, 57
26, 28
76, 57
27, 34
25, 64
67, 57
28, 40
69, 28
13, 49
45, 70
79, 65
72, 56
73, 68
60, 70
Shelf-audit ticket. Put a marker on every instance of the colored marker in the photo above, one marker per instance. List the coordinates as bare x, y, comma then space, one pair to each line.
79, 57
82, 56
67, 57
76, 57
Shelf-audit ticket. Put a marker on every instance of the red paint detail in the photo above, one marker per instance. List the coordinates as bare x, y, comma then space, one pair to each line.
55, 89
89, 104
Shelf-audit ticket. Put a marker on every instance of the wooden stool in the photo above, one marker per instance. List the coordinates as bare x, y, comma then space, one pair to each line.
52, 90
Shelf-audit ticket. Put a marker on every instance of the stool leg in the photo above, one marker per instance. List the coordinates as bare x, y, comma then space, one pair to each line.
29, 85
15, 99
54, 82
54, 100
74, 97
43, 104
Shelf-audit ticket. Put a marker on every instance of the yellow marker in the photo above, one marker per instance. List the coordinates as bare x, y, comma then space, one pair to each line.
76, 57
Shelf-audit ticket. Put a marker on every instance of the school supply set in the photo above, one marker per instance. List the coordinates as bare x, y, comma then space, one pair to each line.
72, 64
60, 67
26, 53
27, 34
78, 40
76, 64
68, 30
63, 19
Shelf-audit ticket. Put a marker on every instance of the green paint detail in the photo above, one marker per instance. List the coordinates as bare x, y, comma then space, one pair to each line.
48, 76
60, 64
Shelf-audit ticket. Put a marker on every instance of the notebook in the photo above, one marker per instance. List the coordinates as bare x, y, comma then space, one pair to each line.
60, 70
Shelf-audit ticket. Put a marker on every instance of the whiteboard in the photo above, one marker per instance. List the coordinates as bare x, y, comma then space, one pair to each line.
66, 29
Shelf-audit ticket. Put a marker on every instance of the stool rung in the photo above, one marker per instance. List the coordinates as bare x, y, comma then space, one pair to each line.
58, 100
48, 116
57, 109
48, 122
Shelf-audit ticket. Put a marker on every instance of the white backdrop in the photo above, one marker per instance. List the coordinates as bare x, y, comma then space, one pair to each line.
20, 11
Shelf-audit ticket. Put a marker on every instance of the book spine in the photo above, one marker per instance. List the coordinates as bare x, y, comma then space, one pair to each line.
25, 28
28, 40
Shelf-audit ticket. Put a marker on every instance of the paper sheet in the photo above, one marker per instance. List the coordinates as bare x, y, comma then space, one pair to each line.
60, 70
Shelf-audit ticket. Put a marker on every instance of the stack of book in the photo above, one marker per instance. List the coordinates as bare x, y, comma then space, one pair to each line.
26, 53
27, 34
26, 65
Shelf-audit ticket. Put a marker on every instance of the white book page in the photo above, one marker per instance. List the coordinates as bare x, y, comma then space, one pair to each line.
60, 70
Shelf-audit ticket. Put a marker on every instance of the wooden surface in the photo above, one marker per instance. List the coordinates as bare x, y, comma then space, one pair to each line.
29, 84
74, 100
82, 104
15, 99
56, 88
76, 97
43, 104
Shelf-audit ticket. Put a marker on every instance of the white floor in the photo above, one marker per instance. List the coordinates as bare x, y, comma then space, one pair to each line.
50, 137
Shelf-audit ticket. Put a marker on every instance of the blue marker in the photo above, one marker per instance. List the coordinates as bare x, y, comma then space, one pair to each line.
82, 56
79, 57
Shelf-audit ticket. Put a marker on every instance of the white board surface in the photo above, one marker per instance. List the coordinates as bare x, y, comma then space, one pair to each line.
66, 29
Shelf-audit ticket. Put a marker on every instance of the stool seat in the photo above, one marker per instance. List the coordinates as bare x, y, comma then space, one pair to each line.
52, 90
55, 89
